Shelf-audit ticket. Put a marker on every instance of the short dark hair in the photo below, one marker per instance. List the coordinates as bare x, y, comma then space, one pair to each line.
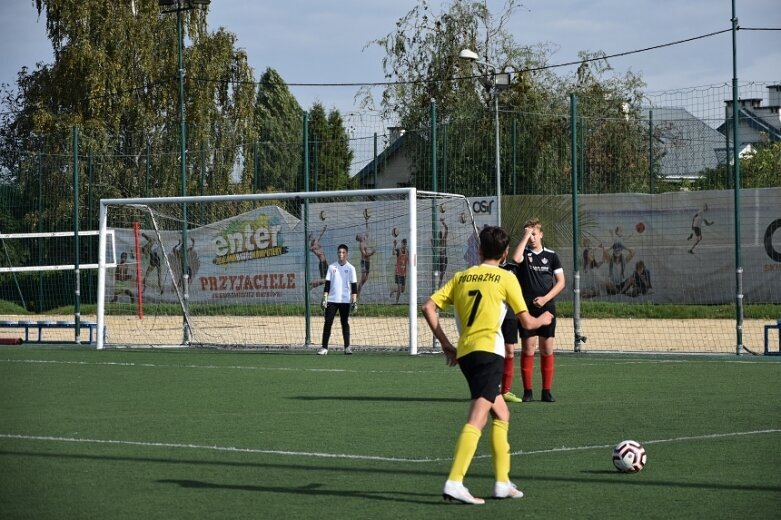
493, 242
343, 246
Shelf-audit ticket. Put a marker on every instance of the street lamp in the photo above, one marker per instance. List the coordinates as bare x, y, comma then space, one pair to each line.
493, 83
178, 6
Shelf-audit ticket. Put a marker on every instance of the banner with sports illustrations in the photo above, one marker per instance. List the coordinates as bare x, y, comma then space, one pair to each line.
250, 257
667, 248
677, 247
268, 255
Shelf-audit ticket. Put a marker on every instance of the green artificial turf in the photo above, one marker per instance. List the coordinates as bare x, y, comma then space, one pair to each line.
214, 434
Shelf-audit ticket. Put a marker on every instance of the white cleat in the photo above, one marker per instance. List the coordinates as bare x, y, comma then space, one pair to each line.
507, 490
322, 352
455, 491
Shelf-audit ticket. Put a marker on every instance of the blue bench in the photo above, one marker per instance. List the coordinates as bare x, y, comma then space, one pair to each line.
776, 326
40, 325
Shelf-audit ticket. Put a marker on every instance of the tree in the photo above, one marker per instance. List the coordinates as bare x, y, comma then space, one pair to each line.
760, 168
278, 122
114, 78
422, 62
329, 150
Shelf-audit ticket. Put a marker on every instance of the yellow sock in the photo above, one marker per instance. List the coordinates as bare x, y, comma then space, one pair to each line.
465, 450
500, 449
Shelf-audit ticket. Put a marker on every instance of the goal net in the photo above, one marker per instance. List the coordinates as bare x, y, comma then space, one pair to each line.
247, 271
48, 272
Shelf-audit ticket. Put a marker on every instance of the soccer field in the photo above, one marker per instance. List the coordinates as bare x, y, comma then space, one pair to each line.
218, 434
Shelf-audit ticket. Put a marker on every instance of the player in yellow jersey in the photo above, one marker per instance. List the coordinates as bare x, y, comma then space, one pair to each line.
480, 296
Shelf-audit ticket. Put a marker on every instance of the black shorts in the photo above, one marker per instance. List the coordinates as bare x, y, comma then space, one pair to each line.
483, 372
697, 231
365, 265
323, 268
548, 331
510, 329
401, 279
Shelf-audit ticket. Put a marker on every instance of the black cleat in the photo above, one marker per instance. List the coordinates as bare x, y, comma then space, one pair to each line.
527, 396
547, 397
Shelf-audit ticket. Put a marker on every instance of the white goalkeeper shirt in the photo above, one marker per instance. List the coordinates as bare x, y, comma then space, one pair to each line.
341, 278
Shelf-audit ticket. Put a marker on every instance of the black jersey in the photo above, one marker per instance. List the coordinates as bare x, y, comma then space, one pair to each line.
537, 273
513, 268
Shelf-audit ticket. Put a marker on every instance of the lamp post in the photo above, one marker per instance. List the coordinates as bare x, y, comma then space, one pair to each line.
492, 84
178, 6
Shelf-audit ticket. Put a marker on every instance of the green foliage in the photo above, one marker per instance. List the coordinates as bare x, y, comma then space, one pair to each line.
330, 155
760, 168
422, 58
114, 78
278, 122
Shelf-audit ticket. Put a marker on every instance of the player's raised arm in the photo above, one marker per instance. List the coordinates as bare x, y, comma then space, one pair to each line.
518, 253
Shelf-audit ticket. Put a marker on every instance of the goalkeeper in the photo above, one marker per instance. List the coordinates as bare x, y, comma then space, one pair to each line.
341, 294
481, 295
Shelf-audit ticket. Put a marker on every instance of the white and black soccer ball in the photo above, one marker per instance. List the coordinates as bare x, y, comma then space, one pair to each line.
629, 456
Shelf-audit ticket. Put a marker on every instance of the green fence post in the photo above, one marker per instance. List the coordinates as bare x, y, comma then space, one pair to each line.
651, 152
39, 308
316, 158
255, 182
307, 306
148, 171
444, 158
375, 161
575, 223
76, 246
89, 216
434, 186
515, 156
736, 189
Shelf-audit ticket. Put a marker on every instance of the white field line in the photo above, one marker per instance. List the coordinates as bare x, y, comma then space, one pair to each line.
376, 458
560, 364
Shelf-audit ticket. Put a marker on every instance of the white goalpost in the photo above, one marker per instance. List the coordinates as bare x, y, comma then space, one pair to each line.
247, 271
56, 287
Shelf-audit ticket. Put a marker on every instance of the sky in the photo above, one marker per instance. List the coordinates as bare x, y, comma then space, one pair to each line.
314, 41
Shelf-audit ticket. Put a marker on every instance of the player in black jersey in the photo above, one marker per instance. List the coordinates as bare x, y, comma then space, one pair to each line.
542, 279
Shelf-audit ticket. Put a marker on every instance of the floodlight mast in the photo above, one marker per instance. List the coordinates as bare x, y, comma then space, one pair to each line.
179, 6
493, 88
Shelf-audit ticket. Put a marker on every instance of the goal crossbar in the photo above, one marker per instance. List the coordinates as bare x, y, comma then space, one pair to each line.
58, 267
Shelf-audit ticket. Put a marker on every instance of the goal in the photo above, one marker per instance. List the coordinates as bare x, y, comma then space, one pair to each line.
51, 264
247, 271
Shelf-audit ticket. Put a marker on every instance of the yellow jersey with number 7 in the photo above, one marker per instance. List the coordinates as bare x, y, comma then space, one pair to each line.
480, 297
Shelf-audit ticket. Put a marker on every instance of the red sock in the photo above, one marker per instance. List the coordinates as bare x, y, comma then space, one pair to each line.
507, 376
527, 371
546, 367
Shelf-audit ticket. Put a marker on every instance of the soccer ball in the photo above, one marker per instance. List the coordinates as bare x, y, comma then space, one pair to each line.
629, 457
639, 227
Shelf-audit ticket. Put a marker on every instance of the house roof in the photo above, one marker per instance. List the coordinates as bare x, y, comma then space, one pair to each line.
387, 154
752, 120
689, 144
